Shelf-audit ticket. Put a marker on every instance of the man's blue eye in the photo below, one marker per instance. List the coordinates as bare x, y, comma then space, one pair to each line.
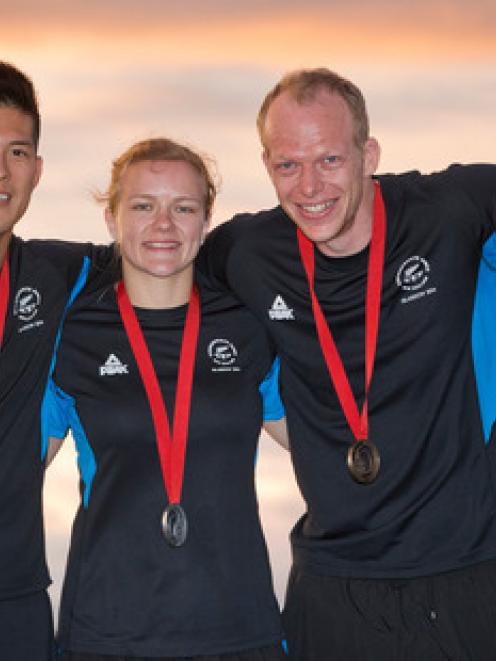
332, 160
285, 165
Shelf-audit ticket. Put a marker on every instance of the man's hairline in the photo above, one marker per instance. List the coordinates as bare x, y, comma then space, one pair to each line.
34, 143
307, 99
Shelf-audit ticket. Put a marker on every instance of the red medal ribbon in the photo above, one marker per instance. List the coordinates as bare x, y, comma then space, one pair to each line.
171, 448
358, 422
4, 293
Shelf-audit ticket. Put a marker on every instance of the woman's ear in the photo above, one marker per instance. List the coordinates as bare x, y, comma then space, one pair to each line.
111, 223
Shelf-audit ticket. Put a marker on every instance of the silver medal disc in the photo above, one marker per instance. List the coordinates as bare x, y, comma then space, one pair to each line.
175, 525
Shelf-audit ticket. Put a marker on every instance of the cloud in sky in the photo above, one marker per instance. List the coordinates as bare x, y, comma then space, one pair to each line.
128, 10
281, 34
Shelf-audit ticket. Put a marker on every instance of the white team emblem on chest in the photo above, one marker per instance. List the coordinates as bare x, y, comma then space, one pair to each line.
412, 276
113, 366
27, 304
223, 355
280, 311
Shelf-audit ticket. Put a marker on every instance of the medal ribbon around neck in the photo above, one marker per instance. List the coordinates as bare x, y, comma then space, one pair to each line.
171, 447
4, 293
358, 422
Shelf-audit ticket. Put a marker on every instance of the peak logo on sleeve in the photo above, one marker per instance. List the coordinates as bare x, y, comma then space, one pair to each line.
27, 304
113, 366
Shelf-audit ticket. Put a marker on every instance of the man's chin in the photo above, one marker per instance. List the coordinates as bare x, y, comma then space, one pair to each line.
316, 232
7, 225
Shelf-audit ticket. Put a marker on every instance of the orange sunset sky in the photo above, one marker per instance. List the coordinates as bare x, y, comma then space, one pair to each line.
111, 72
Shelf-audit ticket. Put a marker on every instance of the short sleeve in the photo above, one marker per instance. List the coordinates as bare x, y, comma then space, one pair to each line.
273, 408
55, 415
484, 336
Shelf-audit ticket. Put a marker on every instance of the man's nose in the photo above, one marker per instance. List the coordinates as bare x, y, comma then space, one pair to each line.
310, 182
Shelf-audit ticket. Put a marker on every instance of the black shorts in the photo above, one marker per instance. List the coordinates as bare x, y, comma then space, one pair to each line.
270, 653
26, 628
450, 616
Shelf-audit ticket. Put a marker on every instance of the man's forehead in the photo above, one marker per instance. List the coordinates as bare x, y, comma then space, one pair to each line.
291, 119
16, 124
319, 99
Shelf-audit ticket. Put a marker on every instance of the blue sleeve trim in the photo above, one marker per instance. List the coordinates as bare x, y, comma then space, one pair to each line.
86, 457
78, 286
273, 408
49, 405
58, 416
54, 415
484, 336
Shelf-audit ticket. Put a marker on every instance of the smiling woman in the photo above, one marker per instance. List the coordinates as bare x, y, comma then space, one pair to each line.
167, 555
158, 213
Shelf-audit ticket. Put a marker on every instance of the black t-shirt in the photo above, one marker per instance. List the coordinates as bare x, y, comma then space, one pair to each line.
42, 274
126, 590
432, 507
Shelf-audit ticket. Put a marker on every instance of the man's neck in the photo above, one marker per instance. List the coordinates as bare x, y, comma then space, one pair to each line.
357, 236
4, 244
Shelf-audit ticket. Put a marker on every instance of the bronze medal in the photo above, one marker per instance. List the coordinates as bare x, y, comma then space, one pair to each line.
363, 457
363, 461
175, 525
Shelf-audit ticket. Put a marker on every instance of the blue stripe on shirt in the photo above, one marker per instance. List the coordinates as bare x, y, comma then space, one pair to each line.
273, 408
484, 336
46, 412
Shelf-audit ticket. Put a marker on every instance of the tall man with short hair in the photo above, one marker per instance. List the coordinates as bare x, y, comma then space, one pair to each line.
36, 279
367, 284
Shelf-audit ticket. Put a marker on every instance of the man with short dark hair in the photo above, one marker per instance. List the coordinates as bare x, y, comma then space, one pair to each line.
367, 284
36, 280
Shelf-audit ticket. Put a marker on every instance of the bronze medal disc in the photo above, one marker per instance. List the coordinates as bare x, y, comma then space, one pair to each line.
175, 525
363, 461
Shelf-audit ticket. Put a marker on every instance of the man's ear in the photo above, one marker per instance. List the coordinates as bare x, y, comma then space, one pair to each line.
205, 228
371, 156
38, 171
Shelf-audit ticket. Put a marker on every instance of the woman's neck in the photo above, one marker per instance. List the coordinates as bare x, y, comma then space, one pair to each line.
159, 292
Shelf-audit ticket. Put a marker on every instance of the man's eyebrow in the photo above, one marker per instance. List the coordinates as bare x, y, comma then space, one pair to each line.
28, 143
